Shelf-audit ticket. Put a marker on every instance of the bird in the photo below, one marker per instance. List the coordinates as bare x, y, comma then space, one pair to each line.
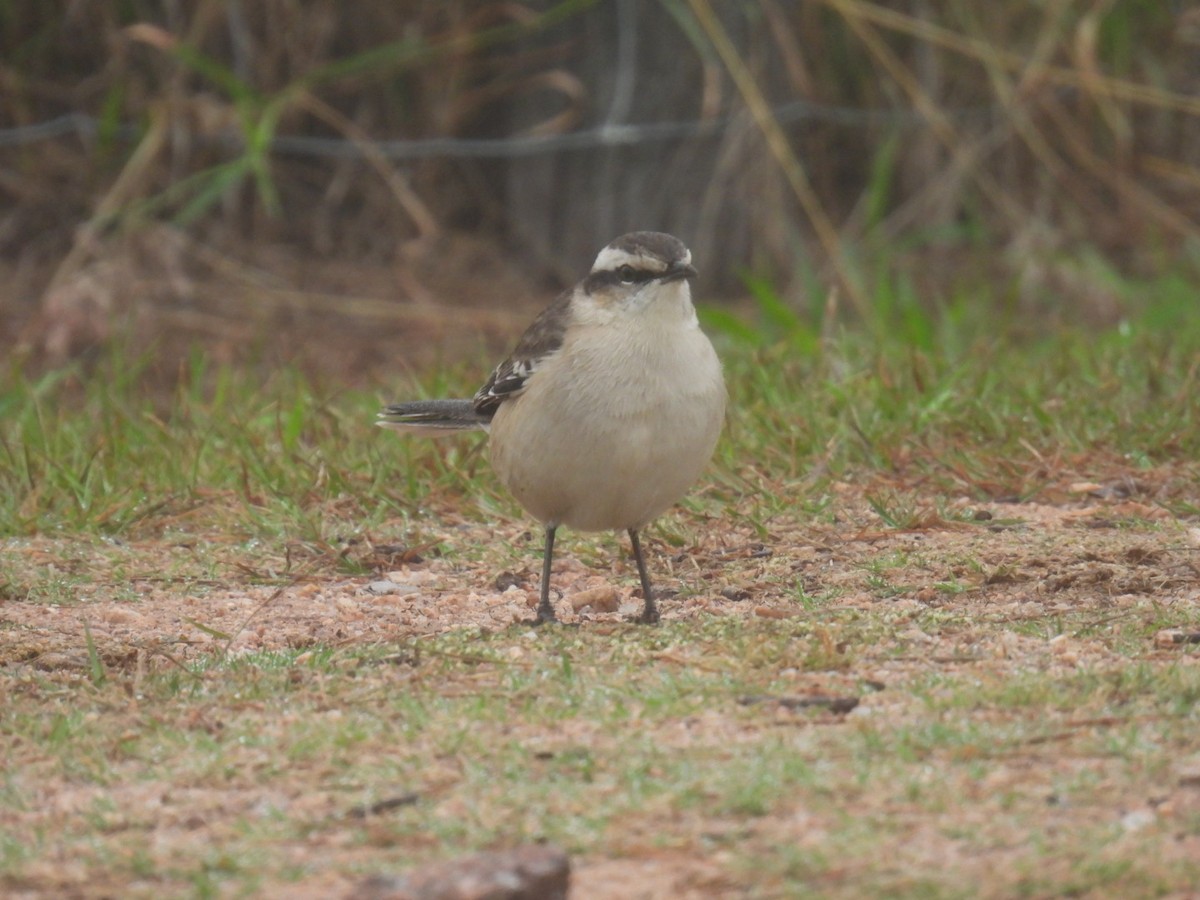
608, 409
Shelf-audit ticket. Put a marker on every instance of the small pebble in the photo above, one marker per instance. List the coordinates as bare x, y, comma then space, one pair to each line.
1137, 820
601, 599
391, 587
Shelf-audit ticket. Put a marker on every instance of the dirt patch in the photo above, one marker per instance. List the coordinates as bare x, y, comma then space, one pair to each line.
1039, 559
1006, 589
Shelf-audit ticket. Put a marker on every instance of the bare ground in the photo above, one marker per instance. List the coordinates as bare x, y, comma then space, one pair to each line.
984, 597
1037, 560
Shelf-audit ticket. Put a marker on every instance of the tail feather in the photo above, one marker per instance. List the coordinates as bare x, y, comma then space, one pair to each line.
432, 417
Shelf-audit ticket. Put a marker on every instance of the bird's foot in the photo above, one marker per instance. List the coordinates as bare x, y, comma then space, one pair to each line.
649, 615
545, 616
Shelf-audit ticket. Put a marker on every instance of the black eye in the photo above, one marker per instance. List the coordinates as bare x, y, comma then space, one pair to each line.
627, 274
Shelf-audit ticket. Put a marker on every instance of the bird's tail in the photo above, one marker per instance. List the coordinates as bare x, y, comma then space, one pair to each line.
432, 417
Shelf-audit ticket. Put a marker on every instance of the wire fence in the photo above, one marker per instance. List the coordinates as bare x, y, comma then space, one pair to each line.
609, 134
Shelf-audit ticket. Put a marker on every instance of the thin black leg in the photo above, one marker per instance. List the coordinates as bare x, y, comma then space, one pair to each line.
649, 612
545, 612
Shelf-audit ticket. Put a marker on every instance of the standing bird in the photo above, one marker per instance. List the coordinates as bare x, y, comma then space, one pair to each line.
608, 409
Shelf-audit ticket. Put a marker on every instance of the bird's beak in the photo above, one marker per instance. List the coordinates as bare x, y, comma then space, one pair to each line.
677, 273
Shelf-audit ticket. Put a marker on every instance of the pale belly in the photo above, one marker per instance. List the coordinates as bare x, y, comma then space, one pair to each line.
603, 456
614, 480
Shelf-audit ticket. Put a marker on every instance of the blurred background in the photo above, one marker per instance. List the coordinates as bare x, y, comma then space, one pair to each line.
368, 187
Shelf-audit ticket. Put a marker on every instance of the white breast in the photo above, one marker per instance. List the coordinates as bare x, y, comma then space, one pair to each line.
618, 425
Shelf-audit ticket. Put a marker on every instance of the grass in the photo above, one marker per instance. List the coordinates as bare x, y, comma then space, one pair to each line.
1021, 177
84, 450
666, 762
1018, 732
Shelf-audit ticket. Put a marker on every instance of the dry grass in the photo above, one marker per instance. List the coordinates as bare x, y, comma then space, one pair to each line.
1051, 146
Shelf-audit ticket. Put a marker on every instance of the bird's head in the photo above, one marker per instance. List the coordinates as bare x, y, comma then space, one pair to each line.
639, 268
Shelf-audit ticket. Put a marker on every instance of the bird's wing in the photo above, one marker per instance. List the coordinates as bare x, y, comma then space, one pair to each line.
540, 341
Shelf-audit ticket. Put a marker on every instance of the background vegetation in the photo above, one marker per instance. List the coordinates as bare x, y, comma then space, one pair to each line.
1045, 154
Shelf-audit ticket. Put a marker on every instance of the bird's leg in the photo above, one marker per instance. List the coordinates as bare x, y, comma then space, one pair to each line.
649, 612
545, 612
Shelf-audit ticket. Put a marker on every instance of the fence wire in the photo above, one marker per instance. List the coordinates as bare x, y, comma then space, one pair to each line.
610, 134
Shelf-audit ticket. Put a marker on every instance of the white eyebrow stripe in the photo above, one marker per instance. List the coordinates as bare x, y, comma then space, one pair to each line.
612, 257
